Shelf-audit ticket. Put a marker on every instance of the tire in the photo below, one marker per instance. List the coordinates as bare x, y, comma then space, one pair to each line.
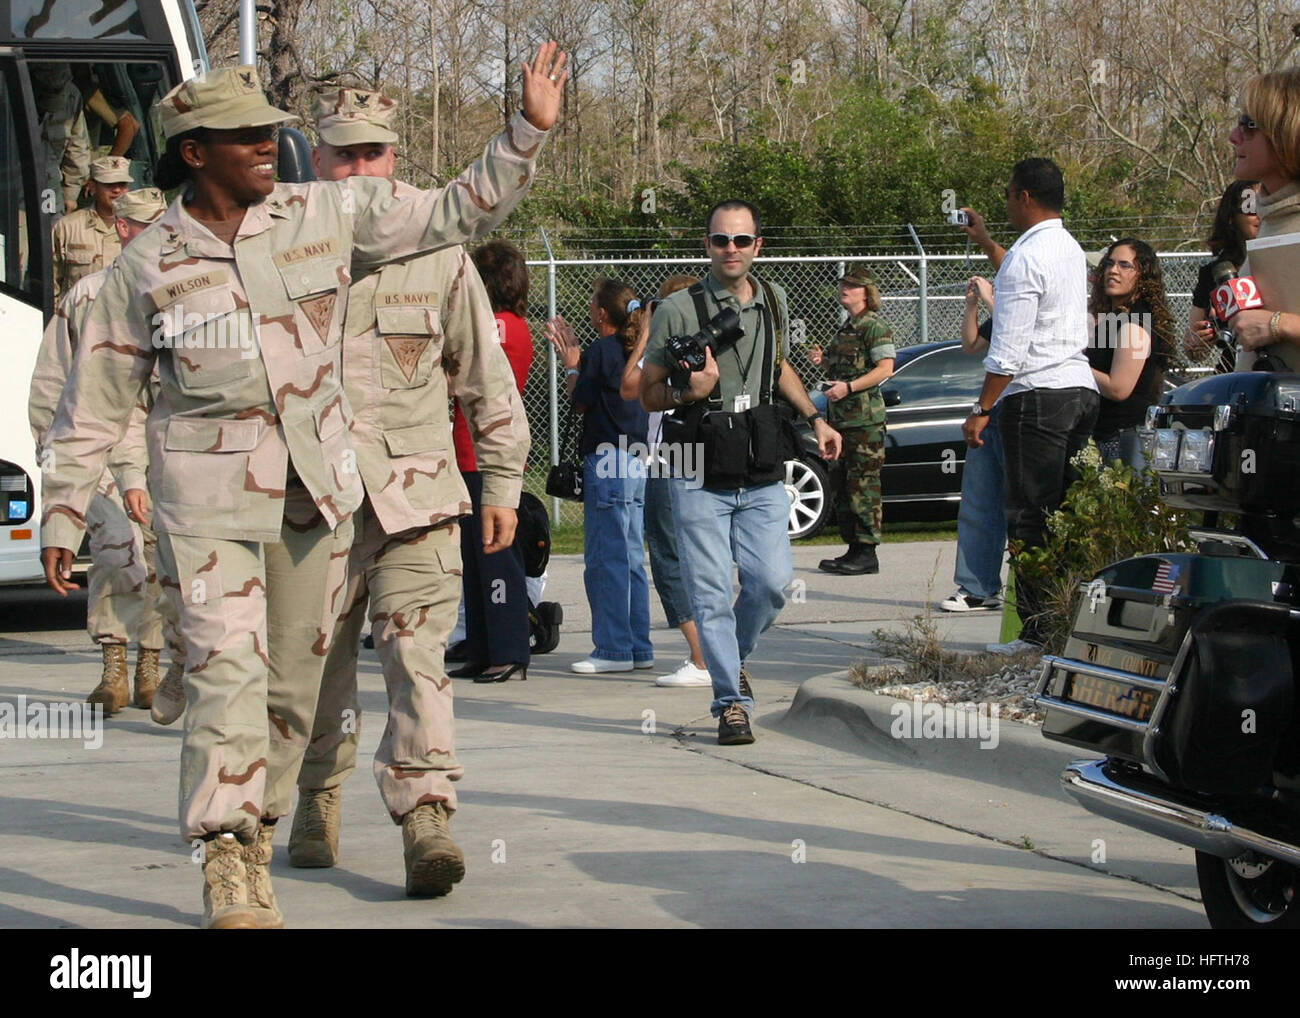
1251, 892
809, 488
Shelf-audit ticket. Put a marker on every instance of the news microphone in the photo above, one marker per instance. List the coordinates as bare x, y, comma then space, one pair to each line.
1232, 293
1222, 271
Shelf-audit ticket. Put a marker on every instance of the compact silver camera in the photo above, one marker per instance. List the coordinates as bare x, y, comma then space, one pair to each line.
958, 218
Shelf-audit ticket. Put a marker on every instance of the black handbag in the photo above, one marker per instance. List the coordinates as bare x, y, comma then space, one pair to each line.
565, 479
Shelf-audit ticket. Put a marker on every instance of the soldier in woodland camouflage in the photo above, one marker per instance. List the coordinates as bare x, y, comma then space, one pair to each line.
240, 294
859, 358
123, 601
415, 328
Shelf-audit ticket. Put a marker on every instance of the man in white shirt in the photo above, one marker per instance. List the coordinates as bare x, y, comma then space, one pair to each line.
1036, 370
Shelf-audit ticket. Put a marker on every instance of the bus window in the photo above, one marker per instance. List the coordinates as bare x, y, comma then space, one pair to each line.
14, 203
75, 19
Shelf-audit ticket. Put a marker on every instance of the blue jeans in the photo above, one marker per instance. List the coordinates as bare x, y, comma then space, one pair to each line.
715, 529
614, 552
982, 521
665, 560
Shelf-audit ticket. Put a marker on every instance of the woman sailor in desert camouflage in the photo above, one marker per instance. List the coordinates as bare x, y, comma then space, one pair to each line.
240, 293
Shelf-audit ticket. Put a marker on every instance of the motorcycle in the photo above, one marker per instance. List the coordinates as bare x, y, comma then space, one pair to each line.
1181, 667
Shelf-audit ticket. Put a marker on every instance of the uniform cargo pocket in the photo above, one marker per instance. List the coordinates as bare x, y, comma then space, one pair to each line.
420, 438
212, 343
205, 461
313, 286
410, 344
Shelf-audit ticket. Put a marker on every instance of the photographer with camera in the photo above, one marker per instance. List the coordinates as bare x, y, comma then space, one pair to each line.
721, 382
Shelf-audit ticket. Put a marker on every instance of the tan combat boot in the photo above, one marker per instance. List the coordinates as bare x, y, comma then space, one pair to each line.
113, 692
257, 862
225, 885
314, 840
146, 677
169, 698
433, 861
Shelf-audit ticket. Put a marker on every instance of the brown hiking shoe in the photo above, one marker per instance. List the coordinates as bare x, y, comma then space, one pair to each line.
169, 697
113, 692
146, 677
314, 840
225, 885
257, 864
433, 861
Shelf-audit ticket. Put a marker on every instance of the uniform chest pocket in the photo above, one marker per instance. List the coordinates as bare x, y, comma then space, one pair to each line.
410, 345
313, 286
211, 340
81, 255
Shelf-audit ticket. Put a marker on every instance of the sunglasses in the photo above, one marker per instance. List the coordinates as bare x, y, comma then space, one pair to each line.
741, 240
1107, 263
1247, 123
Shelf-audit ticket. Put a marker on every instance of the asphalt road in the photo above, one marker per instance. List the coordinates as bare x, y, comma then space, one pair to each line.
605, 801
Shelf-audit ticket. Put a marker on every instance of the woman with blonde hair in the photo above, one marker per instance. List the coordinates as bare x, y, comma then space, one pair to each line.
1266, 139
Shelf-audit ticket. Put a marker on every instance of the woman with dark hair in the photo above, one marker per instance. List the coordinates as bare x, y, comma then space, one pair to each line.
1132, 341
240, 294
495, 591
613, 480
1233, 226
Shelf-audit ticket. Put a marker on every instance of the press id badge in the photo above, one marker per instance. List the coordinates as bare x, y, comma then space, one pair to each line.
742, 403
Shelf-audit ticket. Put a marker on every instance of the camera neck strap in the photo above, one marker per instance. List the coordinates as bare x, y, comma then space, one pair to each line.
696, 291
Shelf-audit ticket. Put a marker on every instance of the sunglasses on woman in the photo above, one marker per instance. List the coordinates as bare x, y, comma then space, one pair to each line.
1247, 123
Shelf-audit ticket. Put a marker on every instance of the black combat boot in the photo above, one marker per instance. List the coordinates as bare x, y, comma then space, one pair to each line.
832, 565
861, 559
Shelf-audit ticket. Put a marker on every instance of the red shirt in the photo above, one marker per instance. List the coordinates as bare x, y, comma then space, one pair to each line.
518, 343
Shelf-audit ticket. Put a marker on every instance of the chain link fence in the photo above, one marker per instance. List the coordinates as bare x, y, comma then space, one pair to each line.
923, 299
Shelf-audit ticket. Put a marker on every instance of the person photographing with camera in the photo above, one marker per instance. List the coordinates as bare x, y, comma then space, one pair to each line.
724, 405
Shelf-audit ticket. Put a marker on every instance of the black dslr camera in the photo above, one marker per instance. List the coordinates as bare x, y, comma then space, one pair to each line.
720, 333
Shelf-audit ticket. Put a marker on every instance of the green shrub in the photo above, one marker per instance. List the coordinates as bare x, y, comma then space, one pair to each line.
1110, 513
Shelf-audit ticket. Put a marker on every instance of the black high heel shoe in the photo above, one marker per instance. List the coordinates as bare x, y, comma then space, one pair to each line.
468, 671
508, 673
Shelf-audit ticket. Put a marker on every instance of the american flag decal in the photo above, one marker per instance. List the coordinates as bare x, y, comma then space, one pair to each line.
1166, 578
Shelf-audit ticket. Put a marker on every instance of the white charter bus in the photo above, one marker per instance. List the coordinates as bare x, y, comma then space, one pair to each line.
68, 70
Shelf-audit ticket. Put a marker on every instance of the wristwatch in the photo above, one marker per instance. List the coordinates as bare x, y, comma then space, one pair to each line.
814, 417
676, 395
978, 411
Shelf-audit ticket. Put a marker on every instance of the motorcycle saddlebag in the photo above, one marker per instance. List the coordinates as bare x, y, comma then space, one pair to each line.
1235, 702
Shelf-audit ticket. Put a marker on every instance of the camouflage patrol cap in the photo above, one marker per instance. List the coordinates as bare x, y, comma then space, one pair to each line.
111, 170
351, 116
142, 206
857, 275
224, 99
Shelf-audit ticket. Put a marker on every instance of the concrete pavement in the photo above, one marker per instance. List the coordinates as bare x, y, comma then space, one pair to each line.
605, 801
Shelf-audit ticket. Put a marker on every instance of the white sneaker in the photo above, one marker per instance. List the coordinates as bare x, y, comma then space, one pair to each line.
686, 675
962, 602
592, 665
1014, 647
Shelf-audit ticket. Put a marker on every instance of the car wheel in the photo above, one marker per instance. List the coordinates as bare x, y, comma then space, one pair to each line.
809, 488
1249, 892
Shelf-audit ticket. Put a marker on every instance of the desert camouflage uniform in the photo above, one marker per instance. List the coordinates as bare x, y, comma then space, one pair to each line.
83, 243
251, 471
65, 140
414, 328
860, 344
124, 597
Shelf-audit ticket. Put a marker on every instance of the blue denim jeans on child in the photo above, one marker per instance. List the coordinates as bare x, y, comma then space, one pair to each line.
715, 529
981, 520
613, 550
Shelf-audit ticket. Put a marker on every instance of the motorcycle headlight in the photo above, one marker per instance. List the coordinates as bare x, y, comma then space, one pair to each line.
1196, 453
1164, 455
